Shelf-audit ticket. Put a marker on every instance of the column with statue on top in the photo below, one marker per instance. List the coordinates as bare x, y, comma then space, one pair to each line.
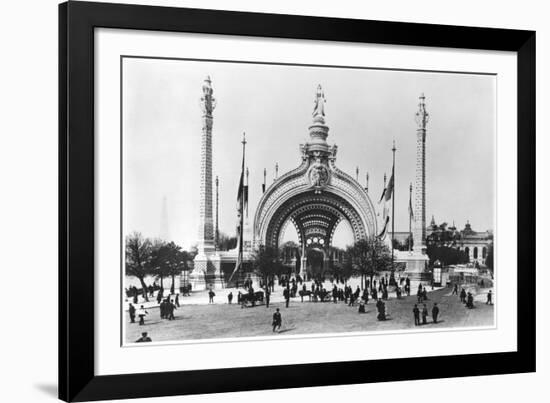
417, 259
206, 273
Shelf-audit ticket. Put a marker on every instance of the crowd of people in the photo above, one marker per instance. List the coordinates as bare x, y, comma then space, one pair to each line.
376, 289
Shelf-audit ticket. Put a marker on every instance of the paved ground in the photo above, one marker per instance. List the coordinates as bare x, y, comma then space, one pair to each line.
221, 320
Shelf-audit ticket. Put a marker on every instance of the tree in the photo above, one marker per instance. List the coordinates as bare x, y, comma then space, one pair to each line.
138, 256
443, 236
266, 263
368, 257
169, 260
447, 255
226, 242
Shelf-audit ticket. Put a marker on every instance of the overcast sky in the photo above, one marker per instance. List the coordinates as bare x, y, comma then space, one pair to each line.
365, 109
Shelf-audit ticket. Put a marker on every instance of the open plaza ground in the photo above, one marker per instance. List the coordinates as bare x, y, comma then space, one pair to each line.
196, 319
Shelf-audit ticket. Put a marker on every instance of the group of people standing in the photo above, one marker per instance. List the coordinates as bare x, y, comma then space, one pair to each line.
141, 313
167, 308
416, 314
467, 298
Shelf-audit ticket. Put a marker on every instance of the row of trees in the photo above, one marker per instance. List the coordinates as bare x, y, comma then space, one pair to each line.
365, 258
155, 257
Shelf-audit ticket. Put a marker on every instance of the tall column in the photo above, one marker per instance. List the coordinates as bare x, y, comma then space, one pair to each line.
419, 233
217, 231
206, 273
206, 221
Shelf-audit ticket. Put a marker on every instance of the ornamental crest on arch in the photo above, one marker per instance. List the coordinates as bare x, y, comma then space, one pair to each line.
318, 176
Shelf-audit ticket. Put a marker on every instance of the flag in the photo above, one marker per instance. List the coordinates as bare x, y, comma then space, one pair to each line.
382, 197
387, 193
242, 201
389, 189
240, 191
411, 211
383, 233
245, 202
385, 211
239, 259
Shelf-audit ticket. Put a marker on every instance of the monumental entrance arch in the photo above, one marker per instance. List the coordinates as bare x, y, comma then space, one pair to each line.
314, 198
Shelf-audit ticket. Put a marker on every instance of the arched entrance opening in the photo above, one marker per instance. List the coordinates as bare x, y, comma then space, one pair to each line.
315, 198
316, 218
315, 262
343, 235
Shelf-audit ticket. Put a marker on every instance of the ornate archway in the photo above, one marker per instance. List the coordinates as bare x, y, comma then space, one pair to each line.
314, 197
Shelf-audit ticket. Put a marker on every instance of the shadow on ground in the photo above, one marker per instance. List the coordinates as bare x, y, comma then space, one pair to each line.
49, 389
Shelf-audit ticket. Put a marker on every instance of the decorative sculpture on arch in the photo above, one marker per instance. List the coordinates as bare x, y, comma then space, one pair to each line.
319, 108
315, 196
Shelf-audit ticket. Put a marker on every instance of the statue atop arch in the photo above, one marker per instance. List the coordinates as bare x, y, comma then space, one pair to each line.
319, 108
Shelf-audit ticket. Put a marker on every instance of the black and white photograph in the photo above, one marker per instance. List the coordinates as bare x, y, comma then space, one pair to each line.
275, 202
264, 200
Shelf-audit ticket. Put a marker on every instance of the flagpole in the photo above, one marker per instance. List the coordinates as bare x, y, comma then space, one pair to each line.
410, 215
393, 208
242, 205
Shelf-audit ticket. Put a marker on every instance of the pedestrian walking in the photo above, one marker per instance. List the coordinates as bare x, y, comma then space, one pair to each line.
267, 297
277, 320
286, 294
162, 309
171, 307
416, 313
435, 312
424, 315
419, 296
143, 338
366, 296
230, 297
211, 295
490, 298
141, 314
362, 306
160, 294
470, 301
455, 290
132, 312
463, 296
381, 306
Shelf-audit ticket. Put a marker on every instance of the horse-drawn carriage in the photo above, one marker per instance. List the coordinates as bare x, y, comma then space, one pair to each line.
250, 299
317, 295
185, 290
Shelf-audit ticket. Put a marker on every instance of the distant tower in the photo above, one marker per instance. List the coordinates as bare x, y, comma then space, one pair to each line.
206, 221
419, 234
164, 232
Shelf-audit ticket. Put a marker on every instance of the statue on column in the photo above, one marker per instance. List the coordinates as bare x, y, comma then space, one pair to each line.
207, 101
319, 108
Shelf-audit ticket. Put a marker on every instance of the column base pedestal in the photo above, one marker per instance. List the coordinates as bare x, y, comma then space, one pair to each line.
207, 273
417, 268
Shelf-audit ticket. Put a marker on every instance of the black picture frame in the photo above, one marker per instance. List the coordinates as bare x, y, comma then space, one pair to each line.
77, 21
